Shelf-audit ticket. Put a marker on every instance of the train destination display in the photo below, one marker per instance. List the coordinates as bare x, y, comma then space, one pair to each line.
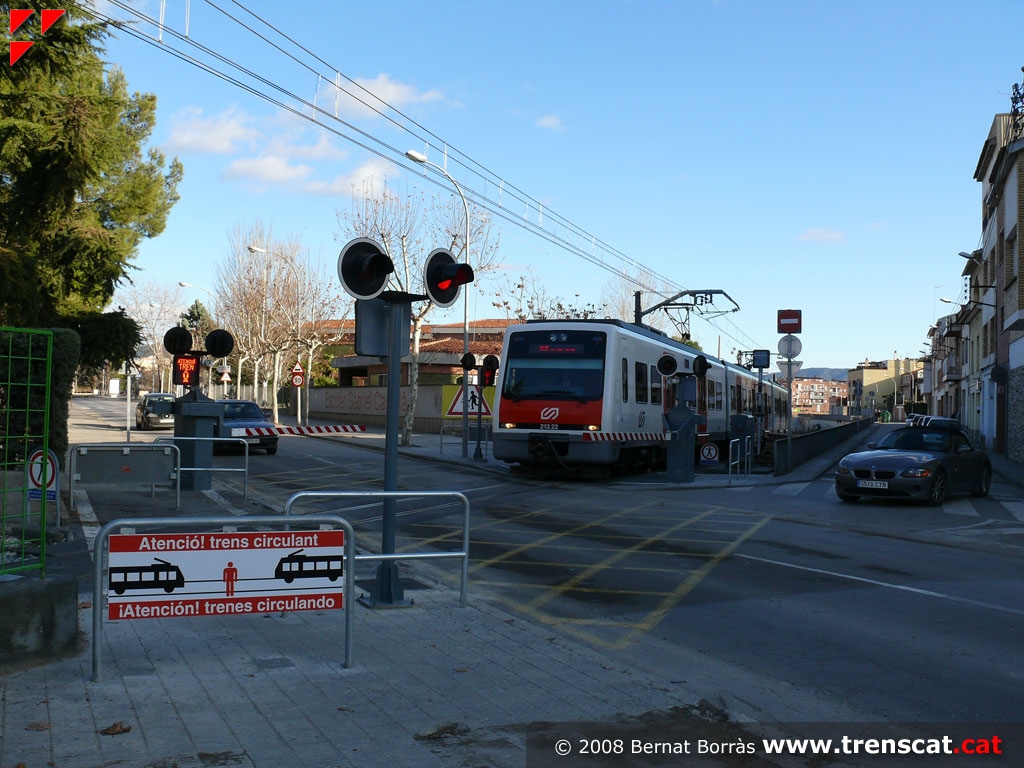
167, 575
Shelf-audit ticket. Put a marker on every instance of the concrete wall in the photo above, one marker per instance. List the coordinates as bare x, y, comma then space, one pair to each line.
39, 619
366, 405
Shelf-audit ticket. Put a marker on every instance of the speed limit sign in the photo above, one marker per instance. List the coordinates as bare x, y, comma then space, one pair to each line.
298, 379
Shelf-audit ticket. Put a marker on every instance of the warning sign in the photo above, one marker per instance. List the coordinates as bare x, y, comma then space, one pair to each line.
475, 402
709, 453
210, 574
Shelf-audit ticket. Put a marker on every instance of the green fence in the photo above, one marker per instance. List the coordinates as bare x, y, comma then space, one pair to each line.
25, 365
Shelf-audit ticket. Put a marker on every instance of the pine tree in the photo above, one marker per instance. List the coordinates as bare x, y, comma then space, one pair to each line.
78, 188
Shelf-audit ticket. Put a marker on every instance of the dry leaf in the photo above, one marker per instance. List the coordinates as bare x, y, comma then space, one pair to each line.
116, 728
37, 727
85, 604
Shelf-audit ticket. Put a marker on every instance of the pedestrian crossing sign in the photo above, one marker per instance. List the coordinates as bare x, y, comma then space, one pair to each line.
475, 403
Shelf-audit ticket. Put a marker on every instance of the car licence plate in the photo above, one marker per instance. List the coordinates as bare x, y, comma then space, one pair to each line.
883, 484
252, 440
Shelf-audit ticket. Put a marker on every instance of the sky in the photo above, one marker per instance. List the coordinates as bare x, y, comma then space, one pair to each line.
793, 154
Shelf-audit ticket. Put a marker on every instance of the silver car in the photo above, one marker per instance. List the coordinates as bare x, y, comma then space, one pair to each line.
928, 462
155, 410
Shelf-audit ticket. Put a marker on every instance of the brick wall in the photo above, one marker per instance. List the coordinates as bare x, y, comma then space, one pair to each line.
1015, 415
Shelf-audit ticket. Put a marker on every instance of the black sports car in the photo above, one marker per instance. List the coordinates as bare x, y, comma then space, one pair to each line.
929, 462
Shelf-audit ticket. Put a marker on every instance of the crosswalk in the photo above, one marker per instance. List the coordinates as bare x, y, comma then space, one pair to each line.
997, 505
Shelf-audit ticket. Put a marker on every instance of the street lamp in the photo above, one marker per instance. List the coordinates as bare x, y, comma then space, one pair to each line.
198, 288
419, 157
969, 301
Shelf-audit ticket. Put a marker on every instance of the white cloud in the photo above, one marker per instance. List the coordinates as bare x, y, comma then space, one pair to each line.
551, 122
368, 178
821, 235
353, 101
268, 168
289, 146
220, 134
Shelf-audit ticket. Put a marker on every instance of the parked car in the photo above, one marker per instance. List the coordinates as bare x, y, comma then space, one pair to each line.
929, 461
241, 415
155, 410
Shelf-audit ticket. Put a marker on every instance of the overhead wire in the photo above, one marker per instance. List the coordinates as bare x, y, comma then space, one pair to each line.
388, 152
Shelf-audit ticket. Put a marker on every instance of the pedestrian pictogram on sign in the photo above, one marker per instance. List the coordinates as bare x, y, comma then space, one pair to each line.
709, 453
38, 465
475, 403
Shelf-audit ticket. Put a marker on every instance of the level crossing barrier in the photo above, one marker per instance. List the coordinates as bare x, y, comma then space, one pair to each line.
142, 463
463, 554
101, 548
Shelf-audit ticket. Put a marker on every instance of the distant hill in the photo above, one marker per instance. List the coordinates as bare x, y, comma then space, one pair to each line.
832, 374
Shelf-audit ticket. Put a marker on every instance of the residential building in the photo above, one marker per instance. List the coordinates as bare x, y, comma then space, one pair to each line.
992, 312
817, 395
876, 385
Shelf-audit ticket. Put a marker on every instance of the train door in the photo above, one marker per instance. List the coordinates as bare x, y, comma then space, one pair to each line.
702, 409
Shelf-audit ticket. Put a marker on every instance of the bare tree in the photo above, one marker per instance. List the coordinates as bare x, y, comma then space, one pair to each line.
409, 228
319, 300
156, 307
619, 297
526, 298
256, 286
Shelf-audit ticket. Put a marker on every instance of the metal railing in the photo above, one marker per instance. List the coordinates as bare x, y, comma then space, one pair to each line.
124, 474
463, 553
484, 432
244, 470
736, 459
103, 536
25, 382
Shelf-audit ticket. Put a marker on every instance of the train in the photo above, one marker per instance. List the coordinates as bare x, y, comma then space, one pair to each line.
589, 395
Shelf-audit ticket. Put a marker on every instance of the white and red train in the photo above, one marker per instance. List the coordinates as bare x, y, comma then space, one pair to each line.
589, 394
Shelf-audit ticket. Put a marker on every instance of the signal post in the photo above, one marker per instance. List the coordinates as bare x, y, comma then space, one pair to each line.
382, 329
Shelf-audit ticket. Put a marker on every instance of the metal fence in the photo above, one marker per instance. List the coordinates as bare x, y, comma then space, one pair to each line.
25, 366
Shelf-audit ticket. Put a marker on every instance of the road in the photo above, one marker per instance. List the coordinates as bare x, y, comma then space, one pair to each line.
775, 603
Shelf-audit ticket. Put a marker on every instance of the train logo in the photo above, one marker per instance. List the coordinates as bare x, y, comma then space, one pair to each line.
158, 575
299, 566
548, 414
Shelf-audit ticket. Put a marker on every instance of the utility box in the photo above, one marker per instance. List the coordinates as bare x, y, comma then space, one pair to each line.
681, 451
195, 417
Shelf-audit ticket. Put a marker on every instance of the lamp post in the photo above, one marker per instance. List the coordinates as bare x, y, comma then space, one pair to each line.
419, 157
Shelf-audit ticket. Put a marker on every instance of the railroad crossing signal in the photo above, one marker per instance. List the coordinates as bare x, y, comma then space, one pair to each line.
364, 268
443, 277
489, 371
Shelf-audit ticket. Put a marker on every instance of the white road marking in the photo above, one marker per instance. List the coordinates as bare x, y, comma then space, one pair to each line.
961, 507
887, 585
87, 517
790, 489
1015, 508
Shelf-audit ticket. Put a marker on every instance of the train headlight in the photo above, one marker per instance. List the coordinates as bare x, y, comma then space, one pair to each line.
509, 425
594, 427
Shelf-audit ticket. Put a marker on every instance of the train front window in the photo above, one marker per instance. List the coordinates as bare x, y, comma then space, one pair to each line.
555, 365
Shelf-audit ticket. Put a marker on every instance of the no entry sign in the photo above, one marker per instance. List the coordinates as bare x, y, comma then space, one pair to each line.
790, 321
214, 574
